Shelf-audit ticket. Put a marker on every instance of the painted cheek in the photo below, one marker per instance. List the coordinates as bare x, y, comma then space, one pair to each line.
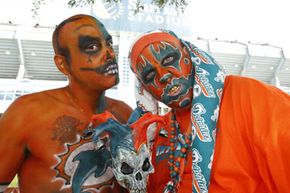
185, 66
155, 91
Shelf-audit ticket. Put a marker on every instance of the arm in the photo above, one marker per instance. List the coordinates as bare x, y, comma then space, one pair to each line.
12, 146
275, 142
269, 134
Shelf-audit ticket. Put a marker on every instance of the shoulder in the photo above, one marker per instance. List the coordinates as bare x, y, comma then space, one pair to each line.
37, 98
19, 114
252, 96
120, 109
25, 102
29, 105
240, 82
245, 86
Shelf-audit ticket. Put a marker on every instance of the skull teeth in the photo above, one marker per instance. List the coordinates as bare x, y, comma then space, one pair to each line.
112, 69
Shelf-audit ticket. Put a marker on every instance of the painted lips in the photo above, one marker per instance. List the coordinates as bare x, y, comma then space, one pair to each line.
109, 68
174, 90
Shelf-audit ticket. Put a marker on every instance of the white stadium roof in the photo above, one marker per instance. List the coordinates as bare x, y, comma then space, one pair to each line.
28, 54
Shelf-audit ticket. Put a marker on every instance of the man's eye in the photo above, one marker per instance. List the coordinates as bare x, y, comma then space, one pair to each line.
149, 76
169, 59
92, 48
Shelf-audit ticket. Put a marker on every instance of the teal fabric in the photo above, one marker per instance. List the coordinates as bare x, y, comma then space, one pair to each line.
208, 86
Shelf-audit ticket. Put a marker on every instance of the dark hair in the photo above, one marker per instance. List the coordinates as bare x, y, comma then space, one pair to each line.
55, 37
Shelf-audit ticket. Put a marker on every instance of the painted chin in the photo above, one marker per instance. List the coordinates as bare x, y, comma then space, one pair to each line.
179, 99
117, 80
184, 103
111, 70
181, 104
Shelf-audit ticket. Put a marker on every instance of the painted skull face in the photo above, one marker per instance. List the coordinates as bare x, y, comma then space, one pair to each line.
165, 70
131, 169
90, 55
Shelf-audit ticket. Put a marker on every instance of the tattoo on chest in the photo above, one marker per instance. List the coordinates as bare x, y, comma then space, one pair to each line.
65, 129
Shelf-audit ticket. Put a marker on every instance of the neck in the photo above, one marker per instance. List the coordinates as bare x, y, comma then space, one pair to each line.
87, 100
183, 119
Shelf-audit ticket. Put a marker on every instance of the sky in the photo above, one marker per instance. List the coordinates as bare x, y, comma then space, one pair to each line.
258, 21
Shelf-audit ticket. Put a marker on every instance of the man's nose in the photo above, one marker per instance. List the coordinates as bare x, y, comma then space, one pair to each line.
110, 54
165, 78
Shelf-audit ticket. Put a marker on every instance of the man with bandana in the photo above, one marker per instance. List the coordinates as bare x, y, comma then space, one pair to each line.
42, 137
224, 134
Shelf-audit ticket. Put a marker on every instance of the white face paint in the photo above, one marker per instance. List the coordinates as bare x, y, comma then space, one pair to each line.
131, 169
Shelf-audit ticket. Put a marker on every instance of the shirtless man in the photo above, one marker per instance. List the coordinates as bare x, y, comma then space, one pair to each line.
42, 134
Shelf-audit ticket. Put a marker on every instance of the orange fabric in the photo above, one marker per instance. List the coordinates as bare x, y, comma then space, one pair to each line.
252, 153
253, 144
159, 179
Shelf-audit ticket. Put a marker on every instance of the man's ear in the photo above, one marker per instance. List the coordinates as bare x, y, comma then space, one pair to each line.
61, 63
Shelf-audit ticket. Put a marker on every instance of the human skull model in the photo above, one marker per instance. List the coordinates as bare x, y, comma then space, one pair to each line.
131, 160
131, 168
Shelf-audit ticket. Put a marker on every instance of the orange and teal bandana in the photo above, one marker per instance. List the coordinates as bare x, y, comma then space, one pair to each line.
207, 86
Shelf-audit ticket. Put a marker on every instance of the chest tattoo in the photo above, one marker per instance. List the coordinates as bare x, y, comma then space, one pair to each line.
65, 129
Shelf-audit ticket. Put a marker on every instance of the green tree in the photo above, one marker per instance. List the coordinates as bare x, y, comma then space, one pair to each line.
179, 5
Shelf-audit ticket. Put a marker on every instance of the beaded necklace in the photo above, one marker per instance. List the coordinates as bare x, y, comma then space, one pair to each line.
179, 146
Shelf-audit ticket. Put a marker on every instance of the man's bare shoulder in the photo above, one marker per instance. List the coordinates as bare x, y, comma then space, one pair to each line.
38, 99
120, 109
32, 106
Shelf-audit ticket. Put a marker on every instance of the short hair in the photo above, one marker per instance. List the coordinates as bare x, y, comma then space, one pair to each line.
55, 37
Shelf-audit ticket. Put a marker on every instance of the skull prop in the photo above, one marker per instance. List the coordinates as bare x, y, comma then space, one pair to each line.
131, 160
131, 169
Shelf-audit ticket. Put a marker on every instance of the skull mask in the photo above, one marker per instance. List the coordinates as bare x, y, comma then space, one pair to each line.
131, 168
131, 160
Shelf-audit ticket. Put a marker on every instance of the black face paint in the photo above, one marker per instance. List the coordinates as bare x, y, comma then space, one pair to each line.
90, 45
102, 104
90, 59
102, 69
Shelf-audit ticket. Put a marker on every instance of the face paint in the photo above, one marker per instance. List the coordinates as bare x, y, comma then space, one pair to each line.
90, 45
108, 68
165, 70
92, 54
167, 55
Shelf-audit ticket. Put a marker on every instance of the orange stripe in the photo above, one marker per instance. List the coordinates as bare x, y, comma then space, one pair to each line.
198, 132
195, 184
200, 56
201, 85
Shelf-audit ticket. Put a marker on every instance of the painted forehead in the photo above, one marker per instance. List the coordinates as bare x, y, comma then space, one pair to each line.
85, 24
